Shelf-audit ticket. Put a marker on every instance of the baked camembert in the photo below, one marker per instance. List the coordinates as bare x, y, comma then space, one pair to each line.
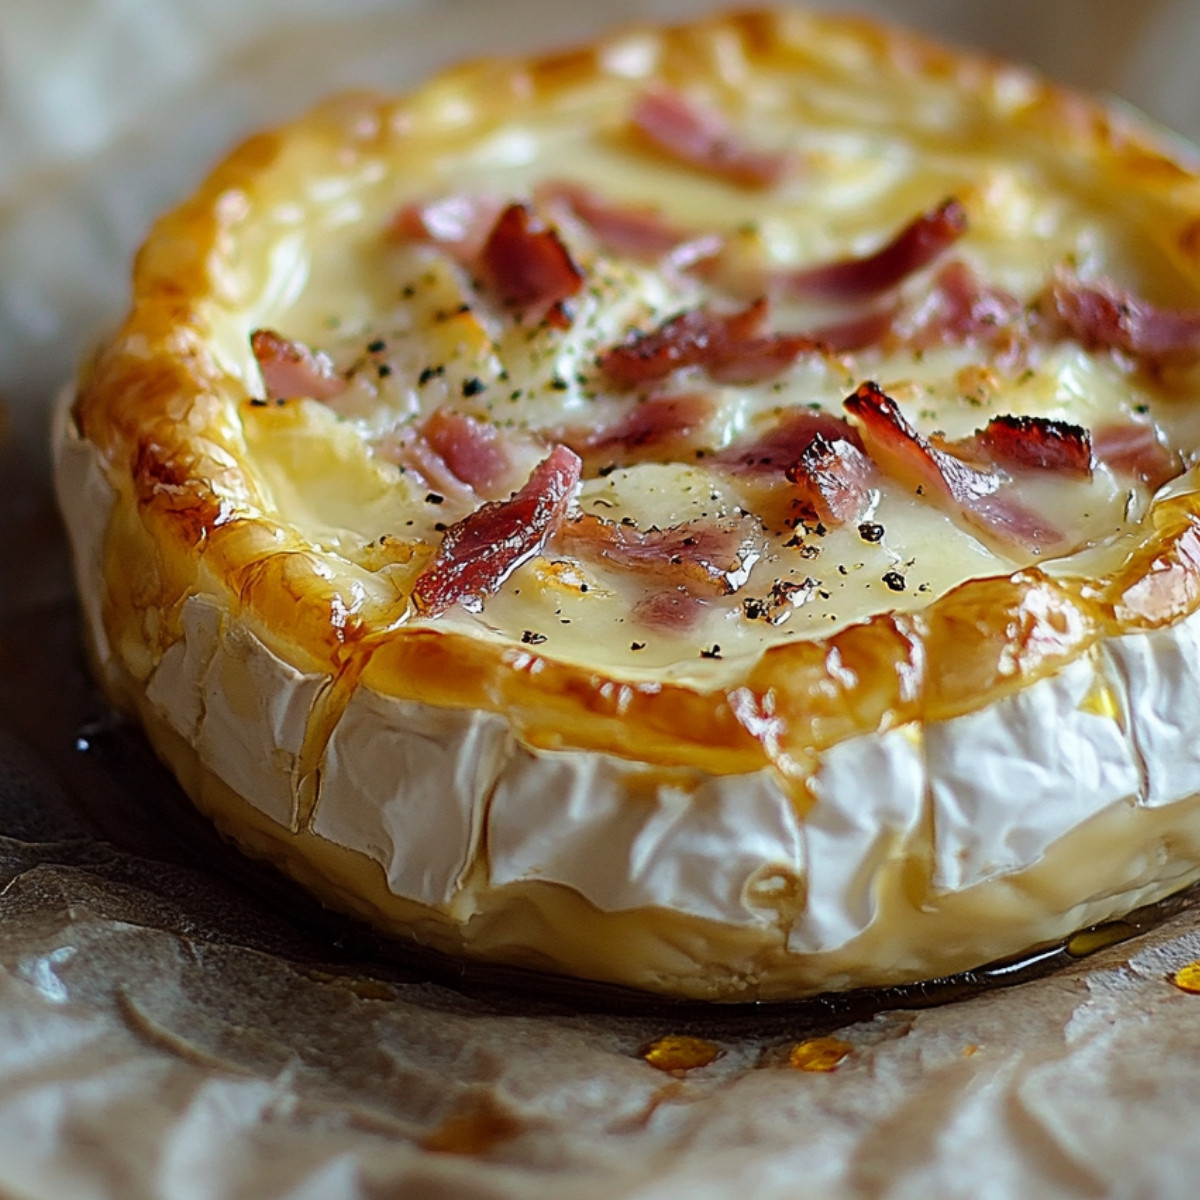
714, 512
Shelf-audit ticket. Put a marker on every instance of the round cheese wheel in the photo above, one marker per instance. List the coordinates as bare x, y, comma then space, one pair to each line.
712, 512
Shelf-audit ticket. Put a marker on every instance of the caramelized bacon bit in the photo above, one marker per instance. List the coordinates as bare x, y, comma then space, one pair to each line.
703, 139
471, 449
636, 231
963, 492
479, 553
833, 481
705, 557
525, 263
1133, 448
730, 346
1026, 443
658, 428
915, 246
458, 224
775, 451
1103, 317
290, 369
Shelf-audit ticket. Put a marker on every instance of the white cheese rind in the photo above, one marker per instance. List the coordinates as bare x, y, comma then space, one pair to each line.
1159, 676
703, 846
85, 499
243, 708
1008, 781
870, 796
406, 784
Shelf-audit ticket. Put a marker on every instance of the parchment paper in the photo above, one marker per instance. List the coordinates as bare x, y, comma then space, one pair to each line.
175, 1024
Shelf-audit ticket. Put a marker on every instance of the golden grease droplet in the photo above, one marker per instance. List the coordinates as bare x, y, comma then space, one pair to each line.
819, 1054
1187, 979
365, 989
1088, 941
478, 1125
677, 1053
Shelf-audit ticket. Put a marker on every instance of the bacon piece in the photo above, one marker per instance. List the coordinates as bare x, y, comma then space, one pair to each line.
857, 332
658, 427
290, 369
525, 263
730, 346
458, 224
711, 557
637, 231
704, 139
685, 340
518, 257
479, 552
471, 449
1026, 443
407, 448
669, 610
1132, 448
965, 493
757, 359
1104, 317
960, 309
916, 245
833, 481
781, 447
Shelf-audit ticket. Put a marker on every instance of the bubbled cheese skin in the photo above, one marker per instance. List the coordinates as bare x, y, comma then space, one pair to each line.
722, 717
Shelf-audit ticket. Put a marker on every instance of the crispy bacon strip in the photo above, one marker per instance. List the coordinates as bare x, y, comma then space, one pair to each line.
479, 552
657, 428
730, 346
473, 450
916, 245
290, 369
781, 447
703, 139
1104, 317
1026, 443
704, 557
833, 481
964, 492
525, 263
1132, 448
